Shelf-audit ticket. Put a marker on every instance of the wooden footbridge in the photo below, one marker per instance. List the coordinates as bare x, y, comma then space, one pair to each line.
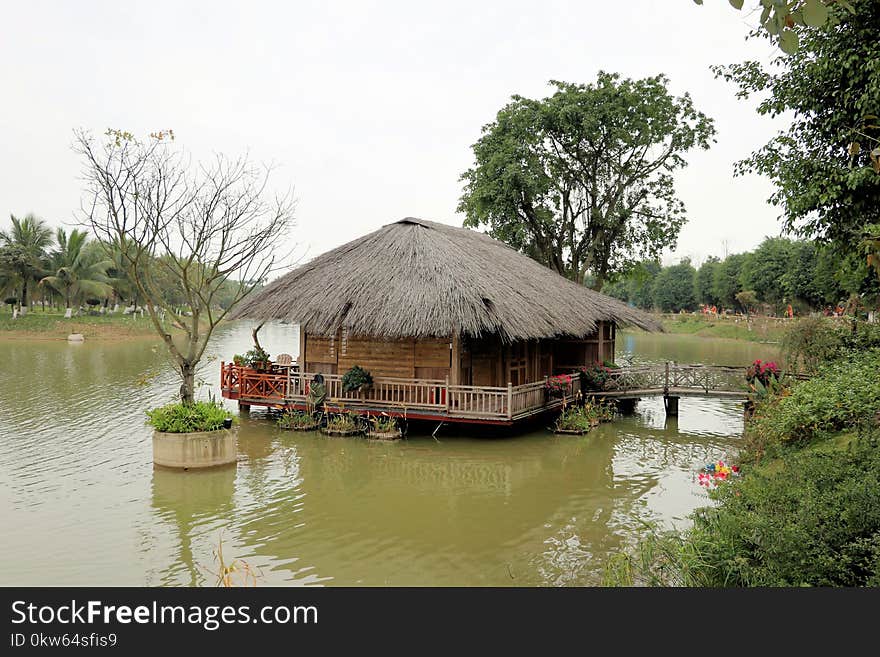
674, 381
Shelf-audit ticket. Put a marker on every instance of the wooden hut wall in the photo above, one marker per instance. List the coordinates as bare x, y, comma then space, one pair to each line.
427, 358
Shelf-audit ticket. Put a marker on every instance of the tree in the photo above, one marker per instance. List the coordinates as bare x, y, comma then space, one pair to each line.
747, 299
704, 287
582, 181
28, 240
726, 279
202, 227
825, 181
783, 18
800, 279
765, 268
674, 287
80, 271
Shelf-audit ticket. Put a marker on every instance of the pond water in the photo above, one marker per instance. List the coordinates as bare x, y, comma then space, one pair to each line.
81, 503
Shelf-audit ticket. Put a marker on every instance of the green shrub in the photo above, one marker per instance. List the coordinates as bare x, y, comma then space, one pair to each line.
344, 422
356, 377
254, 357
815, 523
582, 418
811, 342
295, 420
185, 418
843, 394
379, 424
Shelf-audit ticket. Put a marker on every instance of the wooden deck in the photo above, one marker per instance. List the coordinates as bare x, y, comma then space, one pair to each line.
434, 399
413, 398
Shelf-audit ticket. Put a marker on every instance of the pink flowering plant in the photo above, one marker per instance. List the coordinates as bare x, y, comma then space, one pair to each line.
558, 386
595, 377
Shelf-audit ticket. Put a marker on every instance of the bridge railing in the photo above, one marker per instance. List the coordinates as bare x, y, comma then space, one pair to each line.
671, 376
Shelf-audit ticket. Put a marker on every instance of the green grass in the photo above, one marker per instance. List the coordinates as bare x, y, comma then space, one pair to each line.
758, 329
51, 325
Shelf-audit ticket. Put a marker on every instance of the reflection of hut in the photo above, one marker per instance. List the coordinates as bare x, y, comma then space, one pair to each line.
448, 314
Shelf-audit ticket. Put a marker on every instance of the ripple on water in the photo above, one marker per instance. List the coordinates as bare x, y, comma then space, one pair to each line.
78, 485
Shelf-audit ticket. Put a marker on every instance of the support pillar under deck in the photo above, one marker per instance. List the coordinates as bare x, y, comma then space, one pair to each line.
670, 403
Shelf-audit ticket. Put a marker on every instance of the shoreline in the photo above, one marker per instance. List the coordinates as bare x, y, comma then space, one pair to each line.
36, 326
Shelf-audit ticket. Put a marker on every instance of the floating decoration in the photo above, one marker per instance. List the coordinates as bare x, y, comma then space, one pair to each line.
714, 473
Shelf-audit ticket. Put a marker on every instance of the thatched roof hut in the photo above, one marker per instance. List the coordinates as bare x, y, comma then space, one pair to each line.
417, 278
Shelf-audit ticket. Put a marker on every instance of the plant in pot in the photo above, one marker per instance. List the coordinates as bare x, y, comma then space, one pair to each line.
557, 386
257, 358
192, 435
357, 379
595, 377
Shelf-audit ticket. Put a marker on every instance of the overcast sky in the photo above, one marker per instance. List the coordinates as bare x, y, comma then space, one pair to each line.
369, 109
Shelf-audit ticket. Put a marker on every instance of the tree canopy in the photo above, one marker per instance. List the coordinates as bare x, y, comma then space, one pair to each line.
582, 180
824, 165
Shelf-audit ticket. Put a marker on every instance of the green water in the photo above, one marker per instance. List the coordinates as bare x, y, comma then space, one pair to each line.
81, 503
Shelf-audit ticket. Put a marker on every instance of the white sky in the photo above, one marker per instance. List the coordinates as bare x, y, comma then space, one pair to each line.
368, 108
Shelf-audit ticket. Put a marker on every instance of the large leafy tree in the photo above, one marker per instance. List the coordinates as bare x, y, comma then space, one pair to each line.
703, 285
26, 242
726, 281
765, 268
823, 165
674, 287
582, 181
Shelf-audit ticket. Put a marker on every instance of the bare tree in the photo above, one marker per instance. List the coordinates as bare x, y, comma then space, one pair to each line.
198, 227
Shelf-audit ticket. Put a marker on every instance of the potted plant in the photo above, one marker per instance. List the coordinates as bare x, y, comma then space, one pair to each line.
557, 386
342, 424
383, 427
257, 358
298, 421
239, 360
195, 435
357, 379
595, 377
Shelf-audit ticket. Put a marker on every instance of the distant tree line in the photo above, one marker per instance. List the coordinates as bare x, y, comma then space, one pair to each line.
778, 272
61, 269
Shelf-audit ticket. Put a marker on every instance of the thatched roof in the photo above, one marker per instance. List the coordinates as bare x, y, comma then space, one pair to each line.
417, 278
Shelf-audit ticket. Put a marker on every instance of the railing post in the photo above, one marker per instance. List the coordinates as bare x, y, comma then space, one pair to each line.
446, 394
509, 400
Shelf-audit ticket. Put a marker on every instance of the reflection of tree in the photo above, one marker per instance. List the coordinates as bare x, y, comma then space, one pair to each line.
185, 499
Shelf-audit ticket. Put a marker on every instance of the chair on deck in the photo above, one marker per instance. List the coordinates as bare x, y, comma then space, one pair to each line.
284, 360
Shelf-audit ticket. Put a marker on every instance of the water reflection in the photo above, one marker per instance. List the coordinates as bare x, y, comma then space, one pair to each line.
87, 506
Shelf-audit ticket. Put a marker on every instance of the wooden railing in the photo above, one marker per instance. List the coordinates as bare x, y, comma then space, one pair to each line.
440, 398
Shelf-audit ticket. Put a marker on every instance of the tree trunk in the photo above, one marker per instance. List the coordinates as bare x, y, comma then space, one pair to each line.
187, 388
24, 299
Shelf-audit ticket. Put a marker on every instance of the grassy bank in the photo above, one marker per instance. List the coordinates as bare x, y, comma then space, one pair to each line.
53, 326
806, 510
755, 329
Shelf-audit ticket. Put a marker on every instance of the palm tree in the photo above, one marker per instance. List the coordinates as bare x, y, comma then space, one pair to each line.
81, 269
28, 239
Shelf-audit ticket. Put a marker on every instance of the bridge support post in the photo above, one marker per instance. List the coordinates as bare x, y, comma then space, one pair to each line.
244, 408
670, 403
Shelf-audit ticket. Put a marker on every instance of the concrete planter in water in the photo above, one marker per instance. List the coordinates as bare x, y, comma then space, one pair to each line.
199, 449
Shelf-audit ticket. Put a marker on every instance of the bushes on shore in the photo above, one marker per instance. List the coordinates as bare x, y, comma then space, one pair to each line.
807, 510
845, 393
816, 522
